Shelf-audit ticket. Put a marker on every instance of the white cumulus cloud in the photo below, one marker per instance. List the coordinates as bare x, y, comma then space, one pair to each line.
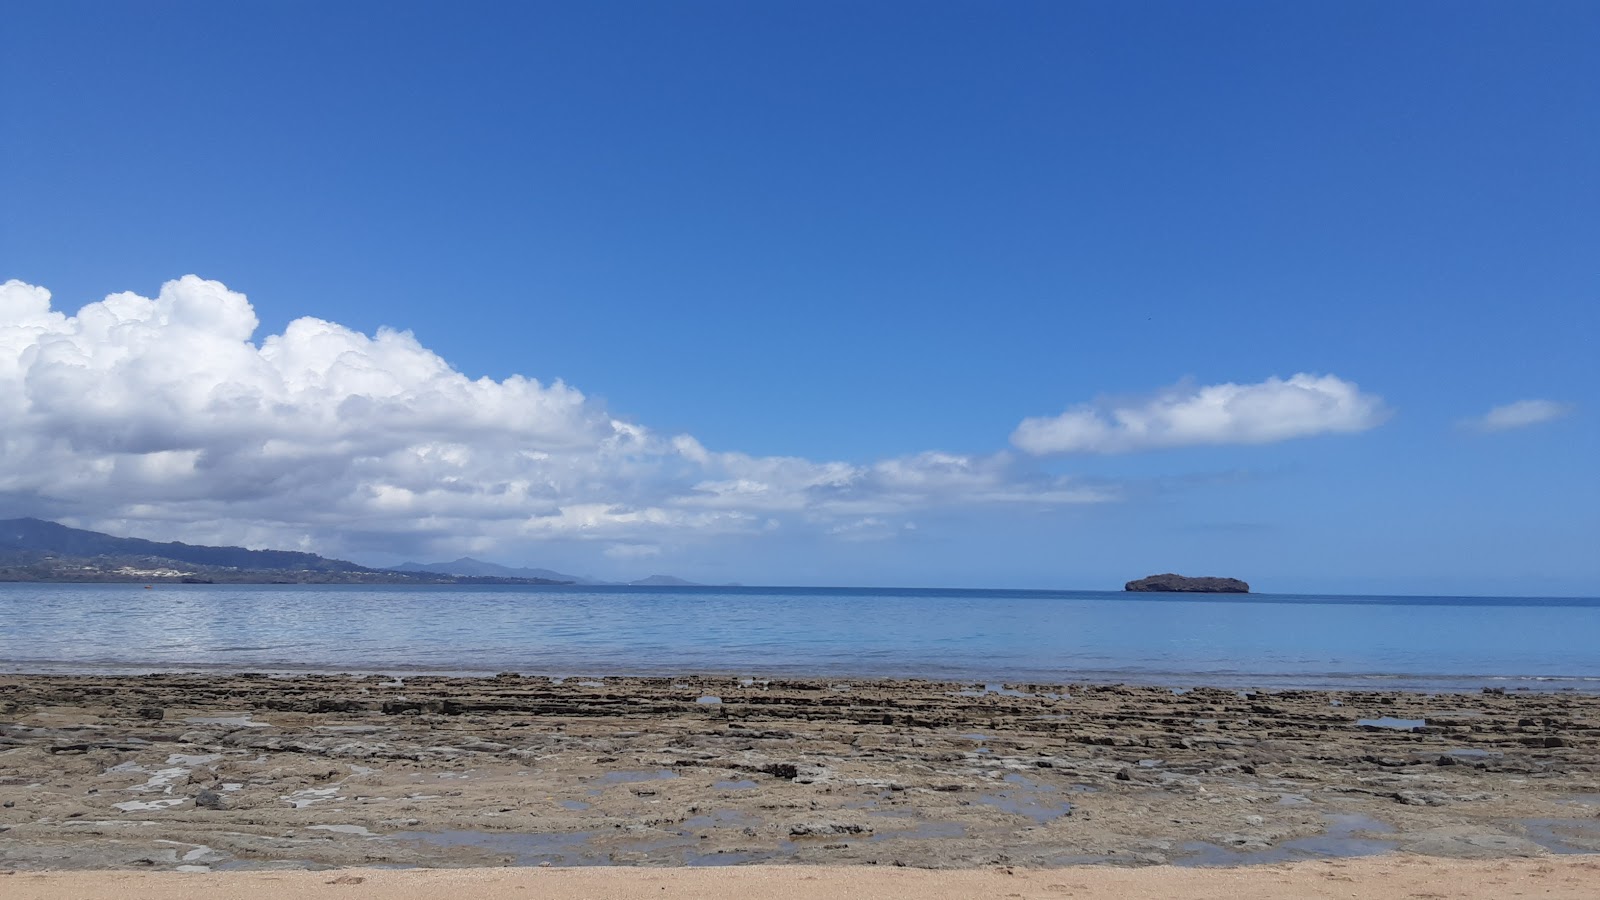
1520, 414
1184, 415
164, 417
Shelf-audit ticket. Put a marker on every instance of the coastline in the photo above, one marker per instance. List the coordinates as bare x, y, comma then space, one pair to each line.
1404, 683
241, 771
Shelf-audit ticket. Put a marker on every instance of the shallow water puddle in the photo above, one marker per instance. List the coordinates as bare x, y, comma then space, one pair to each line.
160, 779
742, 784
629, 776
1028, 798
1339, 840
1564, 835
923, 831
584, 848
734, 857
243, 721
722, 818
525, 849
148, 805
197, 853
310, 796
1391, 722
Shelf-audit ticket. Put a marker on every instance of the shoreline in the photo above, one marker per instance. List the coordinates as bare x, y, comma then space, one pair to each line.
223, 771
1181, 682
1380, 878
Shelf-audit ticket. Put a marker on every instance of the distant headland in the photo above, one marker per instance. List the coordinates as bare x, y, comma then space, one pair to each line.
37, 550
1181, 584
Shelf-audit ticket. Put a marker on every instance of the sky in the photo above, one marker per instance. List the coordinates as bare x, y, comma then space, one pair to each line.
1048, 295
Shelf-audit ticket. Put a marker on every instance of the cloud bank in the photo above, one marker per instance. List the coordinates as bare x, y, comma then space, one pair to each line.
1186, 415
1520, 414
164, 417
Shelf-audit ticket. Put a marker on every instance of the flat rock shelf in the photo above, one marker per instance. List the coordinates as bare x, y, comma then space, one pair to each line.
199, 772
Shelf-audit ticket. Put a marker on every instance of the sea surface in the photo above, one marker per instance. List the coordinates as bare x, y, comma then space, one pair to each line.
976, 636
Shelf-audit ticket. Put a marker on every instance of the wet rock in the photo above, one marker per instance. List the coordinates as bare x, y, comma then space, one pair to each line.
1419, 798
815, 829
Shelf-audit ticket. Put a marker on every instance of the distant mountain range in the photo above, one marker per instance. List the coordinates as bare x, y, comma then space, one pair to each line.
37, 550
466, 565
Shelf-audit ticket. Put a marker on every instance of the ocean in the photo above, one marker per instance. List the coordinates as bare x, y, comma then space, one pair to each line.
986, 637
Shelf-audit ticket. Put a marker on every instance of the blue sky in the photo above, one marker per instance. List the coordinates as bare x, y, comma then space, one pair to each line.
847, 234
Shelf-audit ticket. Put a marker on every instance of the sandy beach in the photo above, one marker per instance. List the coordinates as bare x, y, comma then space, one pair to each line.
211, 772
1384, 878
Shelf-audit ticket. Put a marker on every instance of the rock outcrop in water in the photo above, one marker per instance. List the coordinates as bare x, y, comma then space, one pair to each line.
1169, 582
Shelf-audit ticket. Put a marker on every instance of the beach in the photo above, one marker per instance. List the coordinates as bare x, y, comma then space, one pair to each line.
1386, 878
209, 772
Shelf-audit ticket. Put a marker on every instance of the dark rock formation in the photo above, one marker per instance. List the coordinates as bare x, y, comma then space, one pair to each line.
1182, 584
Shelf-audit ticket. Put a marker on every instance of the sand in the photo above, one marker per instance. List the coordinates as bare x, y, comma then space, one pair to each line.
239, 772
1381, 878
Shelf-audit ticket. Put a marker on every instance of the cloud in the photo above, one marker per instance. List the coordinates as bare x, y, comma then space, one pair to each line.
1186, 415
164, 417
633, 551
1520, 414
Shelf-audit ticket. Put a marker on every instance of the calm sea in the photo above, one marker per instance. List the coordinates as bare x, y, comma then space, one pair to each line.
1424, 643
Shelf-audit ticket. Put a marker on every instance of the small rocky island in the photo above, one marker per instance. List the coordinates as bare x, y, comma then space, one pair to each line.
1184, 585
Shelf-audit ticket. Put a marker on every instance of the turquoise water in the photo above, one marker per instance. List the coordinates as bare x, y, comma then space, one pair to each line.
1425, 643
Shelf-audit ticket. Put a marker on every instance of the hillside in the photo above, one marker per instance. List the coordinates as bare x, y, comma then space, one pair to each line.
37, 550
468, 566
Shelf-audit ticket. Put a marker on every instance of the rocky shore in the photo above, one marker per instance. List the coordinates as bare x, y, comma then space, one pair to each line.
241, 771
